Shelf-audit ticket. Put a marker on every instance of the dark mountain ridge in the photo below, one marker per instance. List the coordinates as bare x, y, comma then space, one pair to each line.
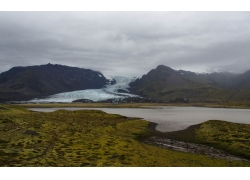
164, 83
43, 80
160, 84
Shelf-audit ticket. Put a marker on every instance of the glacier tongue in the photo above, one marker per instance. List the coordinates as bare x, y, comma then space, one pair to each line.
121, 83
109, 92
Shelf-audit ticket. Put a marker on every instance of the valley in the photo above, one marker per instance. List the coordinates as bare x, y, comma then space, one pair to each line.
58, 83
92, 95
122, 88
121, 123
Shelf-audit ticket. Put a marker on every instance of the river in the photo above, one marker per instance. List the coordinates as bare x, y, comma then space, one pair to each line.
171, 118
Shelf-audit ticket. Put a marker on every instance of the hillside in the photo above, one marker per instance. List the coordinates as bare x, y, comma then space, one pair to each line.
20, 83
164, 83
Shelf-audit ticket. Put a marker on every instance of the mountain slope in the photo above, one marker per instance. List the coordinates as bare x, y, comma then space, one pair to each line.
220, 80
243, 81
35, 81
164, 83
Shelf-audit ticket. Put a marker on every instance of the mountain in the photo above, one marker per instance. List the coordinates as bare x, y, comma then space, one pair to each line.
164, 83
21, 83
243, 81
220, 80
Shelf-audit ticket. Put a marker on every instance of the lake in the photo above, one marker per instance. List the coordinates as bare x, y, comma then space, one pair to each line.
171, 118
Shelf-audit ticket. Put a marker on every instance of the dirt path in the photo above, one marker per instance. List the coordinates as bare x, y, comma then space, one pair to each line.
191, 147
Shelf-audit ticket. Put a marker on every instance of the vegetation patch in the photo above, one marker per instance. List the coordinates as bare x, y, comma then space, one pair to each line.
231, 137
86, 138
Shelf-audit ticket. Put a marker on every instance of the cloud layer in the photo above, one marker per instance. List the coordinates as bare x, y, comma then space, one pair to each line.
127, 43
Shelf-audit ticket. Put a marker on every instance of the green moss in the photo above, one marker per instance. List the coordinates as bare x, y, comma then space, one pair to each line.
231, 137
86, 138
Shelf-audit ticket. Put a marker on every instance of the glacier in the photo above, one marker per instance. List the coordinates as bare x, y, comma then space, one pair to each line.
108, 92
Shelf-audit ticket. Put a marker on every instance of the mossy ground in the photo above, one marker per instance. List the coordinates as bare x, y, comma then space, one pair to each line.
231, 137
85, 138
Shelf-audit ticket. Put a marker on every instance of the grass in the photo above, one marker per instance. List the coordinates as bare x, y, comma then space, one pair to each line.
85, 138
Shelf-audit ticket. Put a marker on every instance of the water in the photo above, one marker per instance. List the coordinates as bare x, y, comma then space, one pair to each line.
174, 118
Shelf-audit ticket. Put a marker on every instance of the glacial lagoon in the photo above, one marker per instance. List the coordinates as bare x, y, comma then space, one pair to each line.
171, 118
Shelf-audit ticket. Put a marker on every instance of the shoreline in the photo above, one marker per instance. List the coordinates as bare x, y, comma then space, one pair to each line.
163, 140
187, 147
167, 141
132, 105
188, 144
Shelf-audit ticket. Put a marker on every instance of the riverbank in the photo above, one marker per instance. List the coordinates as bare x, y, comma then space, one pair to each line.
186, 141
171, 142
238, 105
231, 139
170, 118
192, 148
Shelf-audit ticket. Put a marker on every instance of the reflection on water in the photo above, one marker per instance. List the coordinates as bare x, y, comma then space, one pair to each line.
174, 118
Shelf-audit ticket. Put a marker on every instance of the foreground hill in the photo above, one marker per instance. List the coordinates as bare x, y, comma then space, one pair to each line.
21, 83
164, 83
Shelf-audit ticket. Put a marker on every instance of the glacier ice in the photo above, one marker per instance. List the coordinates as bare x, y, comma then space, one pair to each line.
109, 92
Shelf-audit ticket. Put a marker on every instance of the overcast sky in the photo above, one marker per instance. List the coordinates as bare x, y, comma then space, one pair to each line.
127, 43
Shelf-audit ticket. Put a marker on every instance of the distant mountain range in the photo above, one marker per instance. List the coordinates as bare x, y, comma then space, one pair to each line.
161, 84
164, 83
22, 83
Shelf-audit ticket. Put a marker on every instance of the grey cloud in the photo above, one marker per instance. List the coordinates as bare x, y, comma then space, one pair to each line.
126, 43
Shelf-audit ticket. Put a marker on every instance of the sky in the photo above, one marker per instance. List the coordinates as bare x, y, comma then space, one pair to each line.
127, 43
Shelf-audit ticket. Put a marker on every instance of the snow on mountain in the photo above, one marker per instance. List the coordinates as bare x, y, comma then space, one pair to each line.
109, 78
121, 83
109, 92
